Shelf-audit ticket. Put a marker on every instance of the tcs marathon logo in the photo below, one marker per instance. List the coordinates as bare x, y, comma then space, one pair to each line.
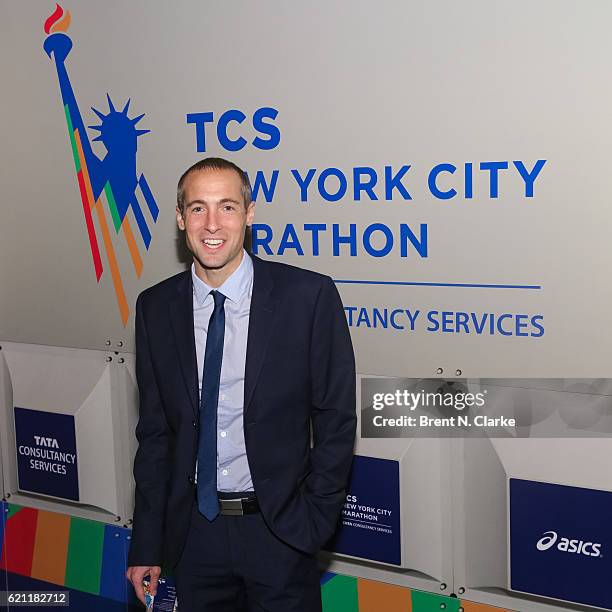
550, 538
113, 177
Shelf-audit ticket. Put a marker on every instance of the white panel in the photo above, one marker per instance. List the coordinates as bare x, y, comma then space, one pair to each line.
425, 501
481, 468
97, 388
125, 418
96, 448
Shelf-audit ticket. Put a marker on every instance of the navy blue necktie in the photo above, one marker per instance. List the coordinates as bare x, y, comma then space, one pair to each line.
208, 502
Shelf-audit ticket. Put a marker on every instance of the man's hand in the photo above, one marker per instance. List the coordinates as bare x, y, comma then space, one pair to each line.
136, 575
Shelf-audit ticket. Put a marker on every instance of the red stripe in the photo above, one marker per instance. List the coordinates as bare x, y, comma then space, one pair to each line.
95, 251
19, 537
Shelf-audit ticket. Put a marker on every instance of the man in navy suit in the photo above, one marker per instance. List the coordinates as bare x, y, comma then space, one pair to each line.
247, 419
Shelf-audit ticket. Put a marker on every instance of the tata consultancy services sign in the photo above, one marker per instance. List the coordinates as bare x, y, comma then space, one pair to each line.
561, 542
46, 453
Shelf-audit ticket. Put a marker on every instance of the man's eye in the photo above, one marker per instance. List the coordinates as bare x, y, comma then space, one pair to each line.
229, 208
197, 209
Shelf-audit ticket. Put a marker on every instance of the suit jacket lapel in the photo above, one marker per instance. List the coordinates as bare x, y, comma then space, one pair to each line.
181, 317
261, 324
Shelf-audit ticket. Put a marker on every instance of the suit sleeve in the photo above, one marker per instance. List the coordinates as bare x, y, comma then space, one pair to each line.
333, 411
151, 467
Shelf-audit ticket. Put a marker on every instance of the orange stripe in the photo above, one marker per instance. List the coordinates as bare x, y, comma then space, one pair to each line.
112, 260
110, 251
51, 547
375, 596
84, 169
129, 237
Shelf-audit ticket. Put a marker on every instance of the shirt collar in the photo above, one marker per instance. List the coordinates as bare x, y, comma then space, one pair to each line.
235, 287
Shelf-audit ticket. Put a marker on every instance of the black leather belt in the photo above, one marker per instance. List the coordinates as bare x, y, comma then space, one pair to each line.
237, 506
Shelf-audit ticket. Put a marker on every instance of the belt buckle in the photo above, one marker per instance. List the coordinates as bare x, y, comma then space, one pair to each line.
231, 507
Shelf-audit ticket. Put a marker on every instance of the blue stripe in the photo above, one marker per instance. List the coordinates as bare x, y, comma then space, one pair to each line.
113, 583
151, 203
142, 224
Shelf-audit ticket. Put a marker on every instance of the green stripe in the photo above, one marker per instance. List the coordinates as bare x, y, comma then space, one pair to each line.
113, 206
84, 563
75, 153
12, 509
340, 595
428, 602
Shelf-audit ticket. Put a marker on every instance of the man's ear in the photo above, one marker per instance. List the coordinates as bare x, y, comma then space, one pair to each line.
179, 219
250, 213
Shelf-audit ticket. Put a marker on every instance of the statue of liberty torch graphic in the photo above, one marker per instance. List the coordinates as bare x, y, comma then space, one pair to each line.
114, 177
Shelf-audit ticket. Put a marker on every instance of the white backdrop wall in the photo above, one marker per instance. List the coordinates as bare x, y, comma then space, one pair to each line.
351, 86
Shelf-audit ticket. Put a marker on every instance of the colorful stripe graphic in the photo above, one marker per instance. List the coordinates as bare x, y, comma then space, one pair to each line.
140, 221
113, 174
113, 584
18, 545
77, 553
114, 266
348, 594
430, 602
51, 547
112, 206
375, 596
85, 199
151, 203
131, 242
106, 237
340, 593
84, 563
91, 557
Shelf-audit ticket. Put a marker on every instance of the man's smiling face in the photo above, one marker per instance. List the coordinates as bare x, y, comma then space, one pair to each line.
214, 220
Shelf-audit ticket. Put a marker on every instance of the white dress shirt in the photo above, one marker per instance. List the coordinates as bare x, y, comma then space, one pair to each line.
233, 472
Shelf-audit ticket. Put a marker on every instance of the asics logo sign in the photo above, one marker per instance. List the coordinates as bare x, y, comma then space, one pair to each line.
548, 540
551, 538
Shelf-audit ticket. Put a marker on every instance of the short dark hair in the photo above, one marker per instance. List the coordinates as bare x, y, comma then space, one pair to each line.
213, 163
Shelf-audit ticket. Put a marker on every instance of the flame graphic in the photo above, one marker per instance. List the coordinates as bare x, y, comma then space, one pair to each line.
57, 23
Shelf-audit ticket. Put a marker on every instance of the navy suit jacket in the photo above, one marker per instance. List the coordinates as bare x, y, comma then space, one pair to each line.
299, 409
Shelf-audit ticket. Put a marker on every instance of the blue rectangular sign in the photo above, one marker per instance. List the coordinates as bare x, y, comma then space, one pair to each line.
46, 453
561, 542
370, 524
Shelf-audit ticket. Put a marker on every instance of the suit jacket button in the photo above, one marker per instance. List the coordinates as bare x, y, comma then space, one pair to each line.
195, 424
190, 479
